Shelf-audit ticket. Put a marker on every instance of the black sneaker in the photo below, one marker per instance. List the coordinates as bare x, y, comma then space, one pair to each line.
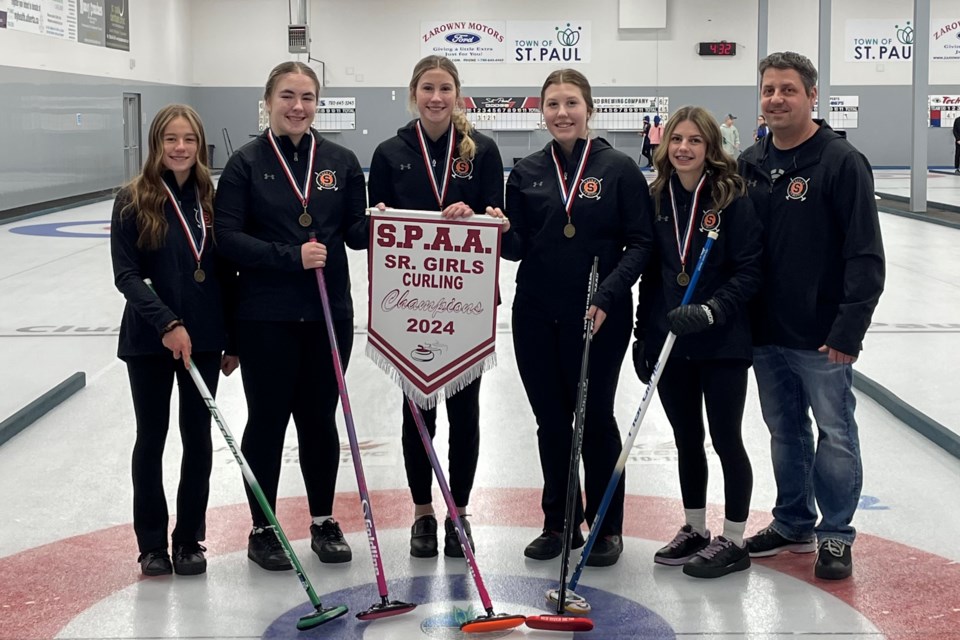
155, 563
549, 544
264, 548
768, 542
188, 559
606, 551
834, 561
451, 541
684, 546
328, 543
423, 537
719, 558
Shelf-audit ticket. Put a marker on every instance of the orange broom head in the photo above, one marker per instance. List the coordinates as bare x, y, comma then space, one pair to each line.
486, 624
560, 623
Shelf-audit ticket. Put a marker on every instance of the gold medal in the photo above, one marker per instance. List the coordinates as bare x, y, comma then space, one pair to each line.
683, 279
199, 275
305, 219
569, 230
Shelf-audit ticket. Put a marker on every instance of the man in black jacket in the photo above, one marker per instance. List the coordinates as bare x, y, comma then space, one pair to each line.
823, 269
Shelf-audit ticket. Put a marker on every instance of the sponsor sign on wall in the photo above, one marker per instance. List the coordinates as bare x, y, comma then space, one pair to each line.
117, 20
891, 40
518, 41
90, 23
25, 15
945, 39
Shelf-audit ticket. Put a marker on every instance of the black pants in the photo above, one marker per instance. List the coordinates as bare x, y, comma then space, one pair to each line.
151, 382
288, 370
956, 155
463, 414
548, 357
646, 152
721, 385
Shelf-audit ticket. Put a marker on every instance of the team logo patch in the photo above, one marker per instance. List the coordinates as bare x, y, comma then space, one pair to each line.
710, 220
327, 179
590, 188
463, 168
797, 189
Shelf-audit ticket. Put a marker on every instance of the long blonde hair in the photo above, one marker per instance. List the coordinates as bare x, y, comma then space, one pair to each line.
147, 195
467, 147
726, 185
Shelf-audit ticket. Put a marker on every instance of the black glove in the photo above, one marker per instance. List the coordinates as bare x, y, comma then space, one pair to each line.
640, 365
690, 318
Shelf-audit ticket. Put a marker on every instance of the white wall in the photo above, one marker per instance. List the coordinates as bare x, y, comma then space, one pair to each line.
159, 48
379, 41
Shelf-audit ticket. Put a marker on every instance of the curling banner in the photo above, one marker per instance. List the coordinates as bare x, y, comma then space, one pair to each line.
433, 300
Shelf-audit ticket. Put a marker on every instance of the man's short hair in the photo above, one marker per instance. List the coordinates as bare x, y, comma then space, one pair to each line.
791, 60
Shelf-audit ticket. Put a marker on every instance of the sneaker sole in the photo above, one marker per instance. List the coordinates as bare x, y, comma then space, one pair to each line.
190, 569
824, 574
276, 567
798, 547
423, 554
695, 572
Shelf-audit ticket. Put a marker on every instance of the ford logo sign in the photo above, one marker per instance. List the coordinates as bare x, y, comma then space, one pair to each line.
462, 38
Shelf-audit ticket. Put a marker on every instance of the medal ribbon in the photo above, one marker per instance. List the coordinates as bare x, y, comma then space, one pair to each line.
567, 195
688, 233
304, 195
194, 249
439, 191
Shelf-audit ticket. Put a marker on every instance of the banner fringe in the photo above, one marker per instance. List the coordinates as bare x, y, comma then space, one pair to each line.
430, 401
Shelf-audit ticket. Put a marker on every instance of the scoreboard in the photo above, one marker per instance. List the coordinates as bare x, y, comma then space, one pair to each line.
504, 113
626, 114
943, 110
844, 112
332, 114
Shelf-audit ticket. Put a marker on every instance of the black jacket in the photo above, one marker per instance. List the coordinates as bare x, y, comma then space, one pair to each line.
823, 263
730, 278
399, 179
614, 223
257, 227
204, 306
956, 129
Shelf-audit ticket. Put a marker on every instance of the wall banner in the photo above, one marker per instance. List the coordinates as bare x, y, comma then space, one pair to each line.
463, 40
433, 300
945, 39
560, 42
885, 40
90, 23
117, 17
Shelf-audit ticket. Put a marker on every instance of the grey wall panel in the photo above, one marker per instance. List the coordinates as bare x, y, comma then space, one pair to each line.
46, 156
48, 152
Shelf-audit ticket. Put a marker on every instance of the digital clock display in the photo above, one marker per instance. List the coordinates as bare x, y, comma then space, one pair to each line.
717, 48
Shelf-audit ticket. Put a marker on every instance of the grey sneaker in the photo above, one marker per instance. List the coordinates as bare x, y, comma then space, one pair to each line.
684, 546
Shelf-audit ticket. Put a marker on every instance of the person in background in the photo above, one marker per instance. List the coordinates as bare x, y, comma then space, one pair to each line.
439, 162
575, 199
731, 136
645, 151
823, 268
656, 135
697, 190
160, 231
761, 130
275, 193
956, 146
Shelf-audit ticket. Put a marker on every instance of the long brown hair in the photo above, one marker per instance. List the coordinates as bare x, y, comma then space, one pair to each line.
467, 147
147, 195
726, 185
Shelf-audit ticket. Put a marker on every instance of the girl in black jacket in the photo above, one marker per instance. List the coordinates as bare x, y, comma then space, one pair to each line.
697, 190
161, 230
576, 199
439, 163
274, 192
